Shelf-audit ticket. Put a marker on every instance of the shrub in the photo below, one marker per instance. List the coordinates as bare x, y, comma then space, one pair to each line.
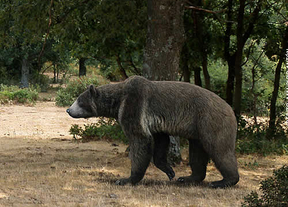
17, 95
66, 96
103, 129
274, 189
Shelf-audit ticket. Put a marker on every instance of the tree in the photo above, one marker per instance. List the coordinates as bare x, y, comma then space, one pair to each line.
282, 51
23, 25
199, 42
112, 32
246, 20
165, 36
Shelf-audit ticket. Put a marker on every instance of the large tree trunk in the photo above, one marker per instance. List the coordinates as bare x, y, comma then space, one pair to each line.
82, 67
25, 73
165, 37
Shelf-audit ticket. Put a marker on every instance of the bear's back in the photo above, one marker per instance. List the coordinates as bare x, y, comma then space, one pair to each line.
174, 107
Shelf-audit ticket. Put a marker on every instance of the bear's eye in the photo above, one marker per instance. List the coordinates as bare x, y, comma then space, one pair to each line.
81, 103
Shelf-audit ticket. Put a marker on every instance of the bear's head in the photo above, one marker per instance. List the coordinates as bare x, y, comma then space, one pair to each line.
85, 104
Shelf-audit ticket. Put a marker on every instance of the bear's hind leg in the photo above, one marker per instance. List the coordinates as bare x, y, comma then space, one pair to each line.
141, 150
161, 147
198, 160
226, 163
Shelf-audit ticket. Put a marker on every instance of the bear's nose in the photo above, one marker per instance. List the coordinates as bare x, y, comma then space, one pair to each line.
68, 111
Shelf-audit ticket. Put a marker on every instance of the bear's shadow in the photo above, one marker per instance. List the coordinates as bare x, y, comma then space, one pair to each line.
151, 182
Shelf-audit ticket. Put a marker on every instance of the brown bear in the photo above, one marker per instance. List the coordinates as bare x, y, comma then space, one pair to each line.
150, 111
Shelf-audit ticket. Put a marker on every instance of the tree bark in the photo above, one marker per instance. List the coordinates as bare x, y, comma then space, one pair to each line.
165, 37
25, 73
82, 67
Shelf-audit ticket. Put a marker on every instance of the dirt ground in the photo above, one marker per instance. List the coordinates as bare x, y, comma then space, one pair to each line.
42, 165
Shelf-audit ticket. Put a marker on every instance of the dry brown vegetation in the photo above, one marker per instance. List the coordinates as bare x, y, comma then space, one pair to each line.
41, 165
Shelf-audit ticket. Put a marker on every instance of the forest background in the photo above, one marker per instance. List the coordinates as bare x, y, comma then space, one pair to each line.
236, 49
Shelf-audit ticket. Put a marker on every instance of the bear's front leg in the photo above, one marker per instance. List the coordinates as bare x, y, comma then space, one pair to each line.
141, 150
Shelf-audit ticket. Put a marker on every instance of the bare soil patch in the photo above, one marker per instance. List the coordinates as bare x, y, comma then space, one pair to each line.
42, 165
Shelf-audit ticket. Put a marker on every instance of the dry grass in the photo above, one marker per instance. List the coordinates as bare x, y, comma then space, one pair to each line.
65, 173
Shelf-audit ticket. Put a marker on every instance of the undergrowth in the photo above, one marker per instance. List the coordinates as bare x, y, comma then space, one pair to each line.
103, 129
14, 94
274, 191
253, 139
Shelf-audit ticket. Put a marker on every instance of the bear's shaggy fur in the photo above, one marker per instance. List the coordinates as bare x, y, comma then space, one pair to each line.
150, 111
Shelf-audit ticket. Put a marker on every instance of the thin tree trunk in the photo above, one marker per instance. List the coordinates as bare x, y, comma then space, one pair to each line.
229, 58
82, 67
25, 73
197, 76
272, 124
238, 60
230, 80
121, 68
205, 71
254, 95
185, 68
54, 68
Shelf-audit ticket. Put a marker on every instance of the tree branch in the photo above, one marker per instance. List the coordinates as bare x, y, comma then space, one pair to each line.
251, 25
249, 52
205, 10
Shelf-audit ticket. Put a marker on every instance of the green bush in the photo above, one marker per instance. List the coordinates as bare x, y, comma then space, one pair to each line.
42, 81
103, 129
66, 96
17, 95
274, 191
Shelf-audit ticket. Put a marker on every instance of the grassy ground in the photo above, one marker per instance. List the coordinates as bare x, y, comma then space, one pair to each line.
61, 172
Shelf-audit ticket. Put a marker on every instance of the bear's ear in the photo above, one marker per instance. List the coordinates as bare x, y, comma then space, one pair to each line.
93, 91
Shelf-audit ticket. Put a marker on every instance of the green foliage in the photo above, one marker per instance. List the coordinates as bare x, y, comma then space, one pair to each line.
253, 139
17, 95
274, 189
66, 96
103, 129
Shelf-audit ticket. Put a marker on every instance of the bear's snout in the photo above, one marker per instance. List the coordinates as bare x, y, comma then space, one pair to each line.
68, 111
